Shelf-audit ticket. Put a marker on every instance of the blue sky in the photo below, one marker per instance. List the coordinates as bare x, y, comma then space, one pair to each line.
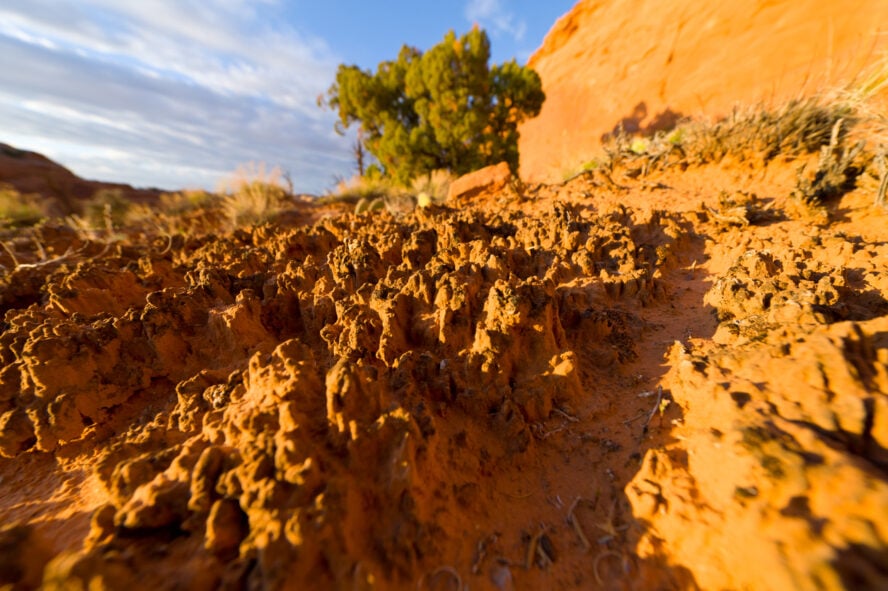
180, 93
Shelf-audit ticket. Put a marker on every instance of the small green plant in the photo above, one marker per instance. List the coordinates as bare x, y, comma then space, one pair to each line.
106, 206
639, 145
432, 187
581, 169
368, 193
17, 210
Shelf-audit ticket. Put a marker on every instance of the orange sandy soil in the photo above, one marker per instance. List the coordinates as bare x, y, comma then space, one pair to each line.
665, 381
676, 381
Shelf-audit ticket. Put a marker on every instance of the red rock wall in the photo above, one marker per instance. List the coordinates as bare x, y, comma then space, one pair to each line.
644, 61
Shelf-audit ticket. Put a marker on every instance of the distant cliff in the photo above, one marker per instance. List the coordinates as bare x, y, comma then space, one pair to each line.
65, 192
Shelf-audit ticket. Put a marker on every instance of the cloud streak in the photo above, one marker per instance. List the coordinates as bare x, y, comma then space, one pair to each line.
168, 93
492, 15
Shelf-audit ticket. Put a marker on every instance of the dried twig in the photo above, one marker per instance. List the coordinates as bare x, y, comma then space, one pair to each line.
68, 254
481, 552
575, 523
40, 249
609, 527
656, 406
635, 418
564, 414
545, 559
168, 247
10, 253
537, 550
540, 433
532, 549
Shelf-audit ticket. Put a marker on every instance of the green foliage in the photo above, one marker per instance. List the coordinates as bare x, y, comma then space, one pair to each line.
17, 210
443, 109
106, 207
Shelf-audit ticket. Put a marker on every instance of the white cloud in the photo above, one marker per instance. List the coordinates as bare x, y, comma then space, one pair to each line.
492, 15
179, 87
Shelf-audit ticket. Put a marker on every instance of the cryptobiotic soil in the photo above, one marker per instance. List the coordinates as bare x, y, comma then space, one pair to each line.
671, 382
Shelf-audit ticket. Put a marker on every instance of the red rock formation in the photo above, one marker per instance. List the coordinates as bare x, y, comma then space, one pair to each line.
642, 63
62, 191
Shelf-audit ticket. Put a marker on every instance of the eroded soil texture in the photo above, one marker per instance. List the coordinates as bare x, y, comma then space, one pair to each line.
643, 385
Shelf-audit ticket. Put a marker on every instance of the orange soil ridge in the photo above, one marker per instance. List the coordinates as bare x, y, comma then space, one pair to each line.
645, 380
643, 64
589, 385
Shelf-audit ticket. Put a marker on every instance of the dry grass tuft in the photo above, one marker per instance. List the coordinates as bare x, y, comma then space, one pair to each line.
254, 195
434, 186
838, 126
836, 171
375, 193
799, 127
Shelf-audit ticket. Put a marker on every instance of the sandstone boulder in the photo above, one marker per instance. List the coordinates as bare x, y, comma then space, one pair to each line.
490, 179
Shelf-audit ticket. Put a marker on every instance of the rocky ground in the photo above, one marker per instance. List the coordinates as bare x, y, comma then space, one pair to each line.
669, 371
667, 380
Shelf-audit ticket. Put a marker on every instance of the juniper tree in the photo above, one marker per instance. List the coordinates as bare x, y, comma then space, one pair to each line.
442, 109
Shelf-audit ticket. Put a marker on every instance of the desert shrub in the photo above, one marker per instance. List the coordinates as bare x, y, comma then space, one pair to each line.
794, 129
836, 171
186, 201
799, 127
107, 207
17, 210
881, 164
366, 187
371, 192
442, 109
253, 195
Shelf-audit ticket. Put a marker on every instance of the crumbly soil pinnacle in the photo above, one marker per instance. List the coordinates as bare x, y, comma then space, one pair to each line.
589, 385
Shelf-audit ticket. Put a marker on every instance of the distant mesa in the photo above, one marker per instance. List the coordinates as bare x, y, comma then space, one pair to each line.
31, 173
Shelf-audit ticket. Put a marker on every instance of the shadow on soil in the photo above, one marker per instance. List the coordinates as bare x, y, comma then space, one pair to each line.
637, 122
641, 419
